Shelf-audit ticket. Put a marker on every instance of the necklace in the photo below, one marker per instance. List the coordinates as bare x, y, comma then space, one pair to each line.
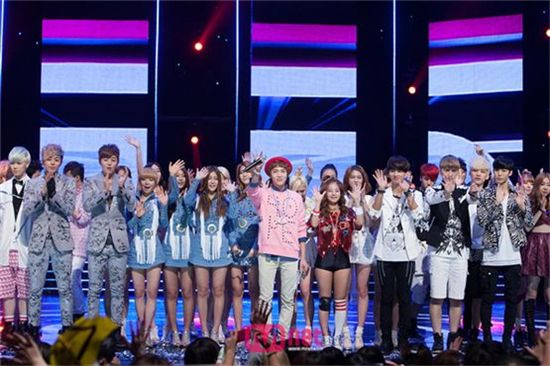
334, 226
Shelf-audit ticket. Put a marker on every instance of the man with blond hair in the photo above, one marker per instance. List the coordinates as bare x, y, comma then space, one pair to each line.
50, 200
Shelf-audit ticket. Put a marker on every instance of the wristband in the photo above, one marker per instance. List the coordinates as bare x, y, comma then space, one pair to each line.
378, 190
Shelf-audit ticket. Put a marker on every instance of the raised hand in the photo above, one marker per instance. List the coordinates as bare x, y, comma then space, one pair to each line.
260, 315
107, 183
201, 174
318, 196
479, 150
356, 194
174, 168
140, 209
161, 195
475, 189
133, 141
122, 179
449, 186
298, 171
27, 351
247, 157
139, 336
381, 180
230, 186
309, 165
521, 197
405, 185
191, 174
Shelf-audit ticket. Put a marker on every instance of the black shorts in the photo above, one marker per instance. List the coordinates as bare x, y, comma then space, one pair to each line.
333, 262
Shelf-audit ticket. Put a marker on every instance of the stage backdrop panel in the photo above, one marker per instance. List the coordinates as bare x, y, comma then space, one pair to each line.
95, 56
82, 144
322, 147
475, 86
303, 76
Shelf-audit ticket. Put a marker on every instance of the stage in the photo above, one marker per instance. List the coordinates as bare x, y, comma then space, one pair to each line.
51, 320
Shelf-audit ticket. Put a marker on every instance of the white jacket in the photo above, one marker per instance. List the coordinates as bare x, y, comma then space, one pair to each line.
408, 217
11, 229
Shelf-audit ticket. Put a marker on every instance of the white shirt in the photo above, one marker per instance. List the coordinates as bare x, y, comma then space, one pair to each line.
507, 254
410, 247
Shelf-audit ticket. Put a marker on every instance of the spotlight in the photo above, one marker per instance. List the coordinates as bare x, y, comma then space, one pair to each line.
194, 140
548, 33
412, 89
198, 46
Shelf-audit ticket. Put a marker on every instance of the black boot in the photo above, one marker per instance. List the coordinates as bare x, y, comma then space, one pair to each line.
529, 309
487, 336
63, 329
23, 327
438, 343
451, 338
387, 344
8, 329
121, 344
507, 337
414, 333
519, 339
34, 332
474, 334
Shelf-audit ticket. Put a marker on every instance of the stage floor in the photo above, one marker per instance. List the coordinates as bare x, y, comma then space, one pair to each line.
51, 321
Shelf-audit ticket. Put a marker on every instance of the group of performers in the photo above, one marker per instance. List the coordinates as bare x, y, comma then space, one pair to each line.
203, 232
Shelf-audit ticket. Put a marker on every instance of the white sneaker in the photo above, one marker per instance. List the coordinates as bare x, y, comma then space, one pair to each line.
176, 341
165, 334
153, 337
359, 338
337, 343
185, 338
346, 342
394, 338
327, 341
377, 337
214, 336
221, 335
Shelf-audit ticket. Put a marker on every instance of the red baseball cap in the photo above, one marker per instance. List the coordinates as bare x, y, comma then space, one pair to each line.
278, 160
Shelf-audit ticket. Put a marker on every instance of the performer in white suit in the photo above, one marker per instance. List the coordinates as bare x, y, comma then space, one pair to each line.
15, 228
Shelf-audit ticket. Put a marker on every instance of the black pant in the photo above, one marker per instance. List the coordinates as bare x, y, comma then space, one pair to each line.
472, 292
512, 282
395, 278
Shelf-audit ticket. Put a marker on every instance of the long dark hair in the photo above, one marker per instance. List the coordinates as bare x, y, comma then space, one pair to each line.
325, 211
205, 202
242, 188
536, 196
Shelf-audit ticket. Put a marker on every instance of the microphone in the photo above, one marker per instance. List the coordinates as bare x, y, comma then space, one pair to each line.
253, 165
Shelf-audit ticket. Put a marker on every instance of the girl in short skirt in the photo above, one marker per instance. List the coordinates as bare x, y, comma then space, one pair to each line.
177, 245
146, 252
209, 253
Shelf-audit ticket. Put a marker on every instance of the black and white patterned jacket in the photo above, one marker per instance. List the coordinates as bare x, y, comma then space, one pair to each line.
490, 216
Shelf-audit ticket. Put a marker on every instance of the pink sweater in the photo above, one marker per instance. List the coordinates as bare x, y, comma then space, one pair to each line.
79, 228
282, 222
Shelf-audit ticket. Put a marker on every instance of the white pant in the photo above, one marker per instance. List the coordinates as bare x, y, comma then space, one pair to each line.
448, 277
268, 266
